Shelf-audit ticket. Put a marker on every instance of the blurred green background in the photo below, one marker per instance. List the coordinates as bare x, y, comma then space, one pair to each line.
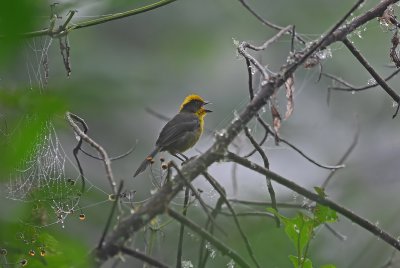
153, 60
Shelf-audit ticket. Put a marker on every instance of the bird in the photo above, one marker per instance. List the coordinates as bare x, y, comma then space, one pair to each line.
180, 133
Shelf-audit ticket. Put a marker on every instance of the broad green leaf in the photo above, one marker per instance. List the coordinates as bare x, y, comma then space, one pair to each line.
328, 266
17, 17
324, 214
299, 229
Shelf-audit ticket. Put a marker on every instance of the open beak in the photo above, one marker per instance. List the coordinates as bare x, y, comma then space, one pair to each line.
206, 110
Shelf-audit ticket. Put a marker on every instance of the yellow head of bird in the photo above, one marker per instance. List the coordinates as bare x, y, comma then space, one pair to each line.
195, 104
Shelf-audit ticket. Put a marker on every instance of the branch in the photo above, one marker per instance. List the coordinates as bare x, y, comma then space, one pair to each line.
104, 156
222, 194
367, 225
266, 165
343, 158
63, 30
204, 256
269, 204
244, 45
304, 206
182, 229
141, 256
78, 146
371, 70
350, 87
268, 23
111, 158
215, 242
189, 185
327, 38
269, 130
108, 224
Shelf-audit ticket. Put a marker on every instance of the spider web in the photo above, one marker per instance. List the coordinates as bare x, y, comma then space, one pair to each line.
41, 178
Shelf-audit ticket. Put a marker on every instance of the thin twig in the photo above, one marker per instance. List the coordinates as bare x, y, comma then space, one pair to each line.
214, 183
338, 235
269, 130
265, 137
106, 160
234, 175
268, 204
339, 80
71, 13
305, 206
350, 87
344, 157
108, 224
141, 256
214, 241
367, 225
275, 38
197, 195
251, 214
157, 114
182, 229
250, 76
325, 40
309, 158
389, 263
371, 70
203, 252
78, 146
251, 93
267, 23
257, 147
111, 158
248, 213
266, 165
65, 53
242, 46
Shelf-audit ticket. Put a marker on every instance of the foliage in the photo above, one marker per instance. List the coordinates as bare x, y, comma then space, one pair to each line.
17, 17
301, 230
22, 244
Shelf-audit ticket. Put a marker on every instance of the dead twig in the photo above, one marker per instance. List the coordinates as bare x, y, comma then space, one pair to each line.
84, 137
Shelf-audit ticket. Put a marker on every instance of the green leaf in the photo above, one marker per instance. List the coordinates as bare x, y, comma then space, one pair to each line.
299, 229
324, 214
328, 266
320, 191
295, 261
17, 17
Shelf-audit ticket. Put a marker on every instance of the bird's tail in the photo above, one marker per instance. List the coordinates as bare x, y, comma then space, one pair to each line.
146, 162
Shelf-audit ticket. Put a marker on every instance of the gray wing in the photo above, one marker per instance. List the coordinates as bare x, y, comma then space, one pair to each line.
179, 126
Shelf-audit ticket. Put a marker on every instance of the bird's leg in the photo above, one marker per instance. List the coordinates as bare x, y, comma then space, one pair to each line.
184, 156
179, 156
